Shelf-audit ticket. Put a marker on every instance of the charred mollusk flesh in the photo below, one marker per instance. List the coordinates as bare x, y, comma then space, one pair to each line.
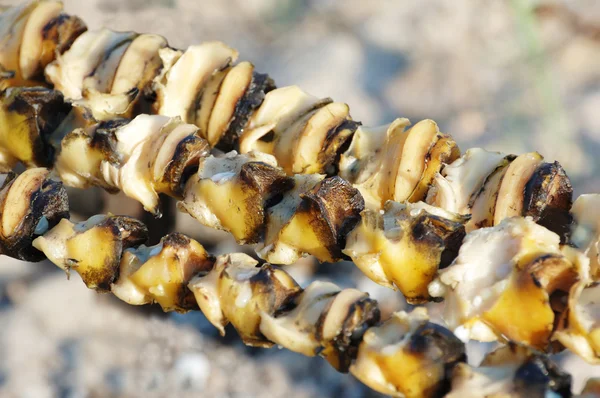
586, 232
161, 273
239, 292
312, 218
143, 157
202, 87
107, 72
501, 283
232, 192
405, 246
492, 186
392, 163
408, 356
303, 132
28, 117
93, 248
324, 320
32, 35
511, 371
30, 204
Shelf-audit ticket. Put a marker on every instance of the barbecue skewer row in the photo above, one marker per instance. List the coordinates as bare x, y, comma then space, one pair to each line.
407, 355
252, 198
109, 74
487, 295
286, 216
546, 184
263, 303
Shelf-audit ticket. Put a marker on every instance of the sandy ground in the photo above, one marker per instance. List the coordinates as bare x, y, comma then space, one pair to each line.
508, 75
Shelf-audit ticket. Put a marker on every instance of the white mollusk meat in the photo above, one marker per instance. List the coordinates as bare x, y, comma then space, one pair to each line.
582, 332
296, 329
117, 82
303, 129
146, 146
185, 74
393, 163
69, 71
462, 180
486, 272
31, 42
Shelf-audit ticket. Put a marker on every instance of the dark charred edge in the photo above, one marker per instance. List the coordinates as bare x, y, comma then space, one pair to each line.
538, 375
336, 142
452, 233
274, 295
114, 47
335, 206
49, 200
343, 349
104, 139
548, 197
267, 183
132, 231
505, 162
447, 151
446, 235
45, 110
153, 96
564, 276
184, 162
334, 168
57, 37
260, 85
61, 32
430, 335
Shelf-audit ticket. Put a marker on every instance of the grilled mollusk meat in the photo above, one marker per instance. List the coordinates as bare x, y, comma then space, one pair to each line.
32, 35
303, 132
108, 72
580, 329
143, 157
323, 320
124, 73
501, 283
202, 87
408, 356
30, 204
232, 192
586, 233
236, 291
93, 248
392, 163
264, 304
511, 371
160, 273
314, 218
492, 186
28, 116
405, 246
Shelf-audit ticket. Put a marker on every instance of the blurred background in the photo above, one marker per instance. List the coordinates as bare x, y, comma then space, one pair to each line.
510, 75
